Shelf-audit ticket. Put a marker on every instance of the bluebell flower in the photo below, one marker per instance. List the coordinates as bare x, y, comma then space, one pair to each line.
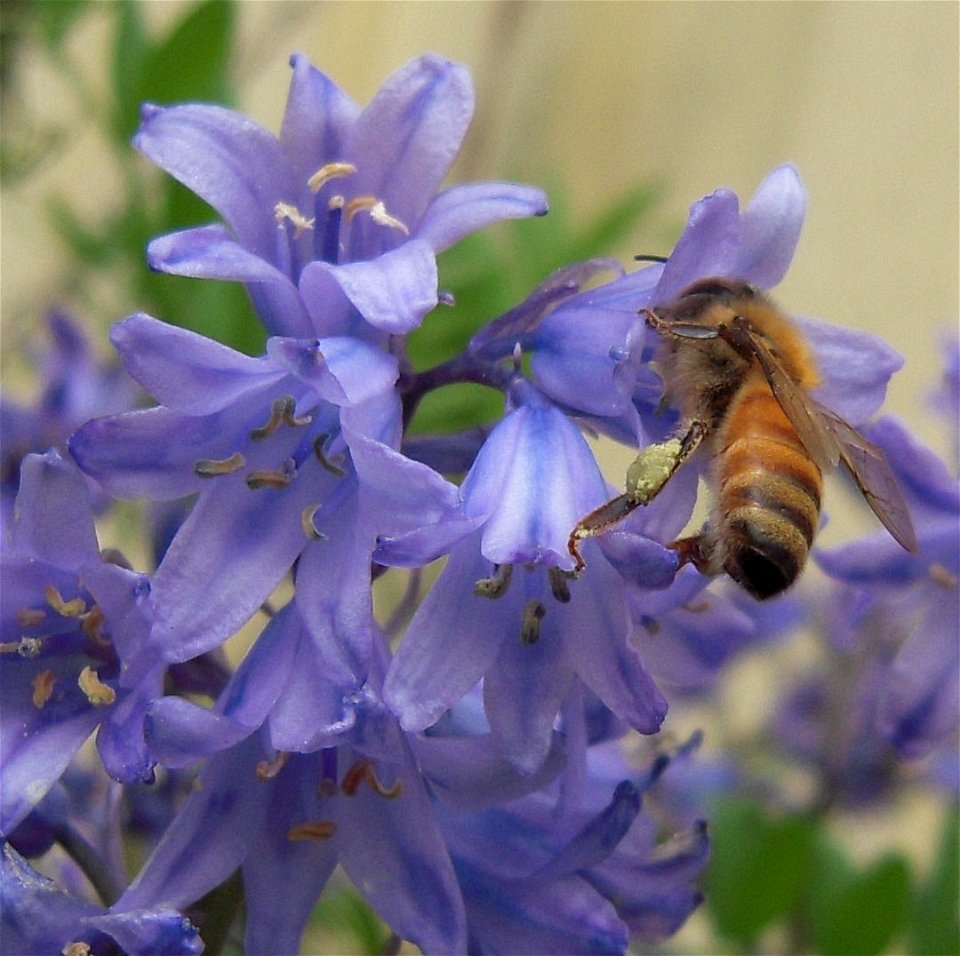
70, 621
339, 218
37, 916
505, 609
915, 596
75, 387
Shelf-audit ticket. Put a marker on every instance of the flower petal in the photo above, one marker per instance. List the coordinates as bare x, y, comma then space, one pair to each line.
460, 210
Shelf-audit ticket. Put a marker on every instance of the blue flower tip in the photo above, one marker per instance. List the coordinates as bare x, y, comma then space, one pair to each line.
148, 111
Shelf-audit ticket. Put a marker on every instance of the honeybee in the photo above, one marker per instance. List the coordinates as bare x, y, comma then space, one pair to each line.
740, 373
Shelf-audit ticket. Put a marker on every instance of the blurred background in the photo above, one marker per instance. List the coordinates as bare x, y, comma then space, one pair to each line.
596, 102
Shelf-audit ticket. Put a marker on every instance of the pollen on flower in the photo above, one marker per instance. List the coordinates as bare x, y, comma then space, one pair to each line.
74, 608
268, 769
327, 172
496, 585
211, 467
284, 212
98, 693
312, 830
363, 772
377, 210
533, 613
43, 687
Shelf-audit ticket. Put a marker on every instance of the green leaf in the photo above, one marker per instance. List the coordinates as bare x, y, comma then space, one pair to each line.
858, 913
343, 920
131, 49
456, 407
935, 928
760, 865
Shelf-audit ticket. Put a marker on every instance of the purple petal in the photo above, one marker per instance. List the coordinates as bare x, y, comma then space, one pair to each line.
179, 733
855, 368
707, 247
392, 292
449, 645
54, 520
404, 142
159, 931
186, 371
770, 228
317, 120
229, 161
460, 210
211, 252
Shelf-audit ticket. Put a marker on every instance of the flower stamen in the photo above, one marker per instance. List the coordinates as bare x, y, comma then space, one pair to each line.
377, 210
268, 769
320, 451
312, 830
91, 625
282, 412
496, 585
212, 467
306, 522
98, 693
283, 212
43, 687
363, 772
329, 171
75, 608
272, 477
30, 617
559, 583
942, 576
533, 613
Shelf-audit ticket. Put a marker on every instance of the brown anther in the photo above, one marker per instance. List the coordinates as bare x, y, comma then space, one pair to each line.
312, 830
98, 693
942, 576
91, 624
559, 583
43, 687
268, 769
268, 478
377, 210
327, 172
320, 451
533, 612
9, 647
497, 584
73, 608
306, 522
283, 212
30, 617
277, 408
212, 467
363, 772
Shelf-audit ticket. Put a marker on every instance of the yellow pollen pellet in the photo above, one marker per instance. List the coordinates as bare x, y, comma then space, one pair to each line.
327, 172
98, 693
312, 830
43, 687
73, 608
211, 467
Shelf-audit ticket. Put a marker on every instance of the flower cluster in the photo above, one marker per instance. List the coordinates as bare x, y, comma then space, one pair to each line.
471, 778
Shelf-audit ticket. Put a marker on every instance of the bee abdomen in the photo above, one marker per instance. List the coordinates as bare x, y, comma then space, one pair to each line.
769, 501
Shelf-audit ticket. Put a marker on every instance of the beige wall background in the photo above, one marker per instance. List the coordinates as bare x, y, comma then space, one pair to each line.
862, 97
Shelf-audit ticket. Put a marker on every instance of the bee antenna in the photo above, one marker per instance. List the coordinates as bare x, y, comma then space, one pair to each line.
647, 257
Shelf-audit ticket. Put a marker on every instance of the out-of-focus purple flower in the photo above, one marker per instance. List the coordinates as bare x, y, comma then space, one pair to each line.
339, 218
38, 917
915, 598
505, 608
70, 621
75, 387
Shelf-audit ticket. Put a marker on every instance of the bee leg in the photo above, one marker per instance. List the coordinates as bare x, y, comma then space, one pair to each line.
692, 550
598, 521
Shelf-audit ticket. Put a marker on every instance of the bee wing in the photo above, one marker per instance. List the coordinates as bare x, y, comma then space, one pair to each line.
804, 414
871, 471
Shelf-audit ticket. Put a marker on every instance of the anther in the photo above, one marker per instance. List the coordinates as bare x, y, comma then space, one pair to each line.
270, 478
377, 210
43, 687
327, 787
98, 693
91, 624
211, 467
327, 172
76, 948
30, 617
74, 608
942, 576
312, 830
282, 412
363, 772
320, 451
306, 522
559, 583
268, 769
284, 211
496, 585
533, 612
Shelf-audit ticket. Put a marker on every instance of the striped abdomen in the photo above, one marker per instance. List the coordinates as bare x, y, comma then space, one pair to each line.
769, 494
